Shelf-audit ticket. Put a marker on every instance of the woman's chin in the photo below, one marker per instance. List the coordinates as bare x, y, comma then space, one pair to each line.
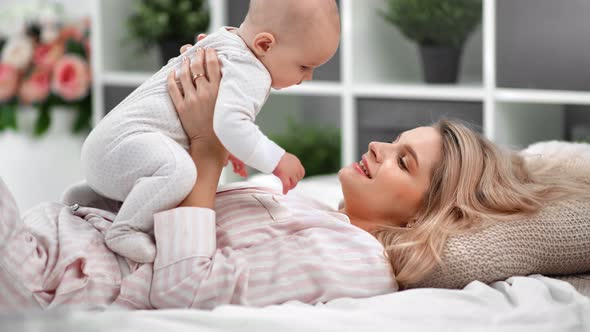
346, 177
344, 173
349, 173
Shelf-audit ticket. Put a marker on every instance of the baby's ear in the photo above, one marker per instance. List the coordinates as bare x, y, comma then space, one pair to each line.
263, 43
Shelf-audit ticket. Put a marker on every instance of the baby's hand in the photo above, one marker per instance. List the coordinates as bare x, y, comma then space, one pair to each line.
239, 166
290, 171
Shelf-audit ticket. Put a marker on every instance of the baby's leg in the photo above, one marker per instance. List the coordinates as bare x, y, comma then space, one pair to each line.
158, 174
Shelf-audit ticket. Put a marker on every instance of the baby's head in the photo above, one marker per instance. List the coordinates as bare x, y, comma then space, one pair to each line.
292, 37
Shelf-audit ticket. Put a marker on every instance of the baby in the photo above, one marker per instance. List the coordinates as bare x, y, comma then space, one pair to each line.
137, 153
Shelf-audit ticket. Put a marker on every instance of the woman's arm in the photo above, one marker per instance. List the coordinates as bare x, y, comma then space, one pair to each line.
195, 109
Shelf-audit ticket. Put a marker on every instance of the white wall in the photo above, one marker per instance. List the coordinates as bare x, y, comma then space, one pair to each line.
12, 11
38, 170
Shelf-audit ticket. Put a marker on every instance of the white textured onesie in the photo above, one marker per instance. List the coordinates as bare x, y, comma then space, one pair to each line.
137, 153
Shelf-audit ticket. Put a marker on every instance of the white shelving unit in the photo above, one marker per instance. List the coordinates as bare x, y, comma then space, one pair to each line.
375, 64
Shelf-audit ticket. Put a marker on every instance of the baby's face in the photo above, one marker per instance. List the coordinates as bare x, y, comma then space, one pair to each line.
293, 62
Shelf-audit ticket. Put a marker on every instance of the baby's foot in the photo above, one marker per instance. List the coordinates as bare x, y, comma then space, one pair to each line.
136, 246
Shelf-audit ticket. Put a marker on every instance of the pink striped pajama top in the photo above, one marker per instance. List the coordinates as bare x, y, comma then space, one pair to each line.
257, 248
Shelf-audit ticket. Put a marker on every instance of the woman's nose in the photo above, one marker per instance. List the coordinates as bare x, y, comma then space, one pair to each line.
374, 151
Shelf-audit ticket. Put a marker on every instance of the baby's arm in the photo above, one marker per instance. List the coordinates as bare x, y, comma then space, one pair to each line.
243, 91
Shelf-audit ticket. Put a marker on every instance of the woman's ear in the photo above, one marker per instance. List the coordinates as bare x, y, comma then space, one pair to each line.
263, 43
411, 223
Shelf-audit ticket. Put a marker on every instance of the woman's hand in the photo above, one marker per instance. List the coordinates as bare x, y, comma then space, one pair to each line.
195, 103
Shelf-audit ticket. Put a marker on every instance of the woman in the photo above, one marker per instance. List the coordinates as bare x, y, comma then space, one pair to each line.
253, 246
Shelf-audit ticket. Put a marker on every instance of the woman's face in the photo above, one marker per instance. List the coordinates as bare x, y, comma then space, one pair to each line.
387, 186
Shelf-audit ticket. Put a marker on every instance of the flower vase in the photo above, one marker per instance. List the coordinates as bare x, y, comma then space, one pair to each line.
440, 64
61, 121
38, 169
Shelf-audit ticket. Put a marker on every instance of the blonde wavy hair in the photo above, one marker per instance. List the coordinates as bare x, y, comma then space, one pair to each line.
476, 183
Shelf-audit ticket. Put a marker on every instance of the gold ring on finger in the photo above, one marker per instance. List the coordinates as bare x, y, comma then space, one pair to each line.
196, 76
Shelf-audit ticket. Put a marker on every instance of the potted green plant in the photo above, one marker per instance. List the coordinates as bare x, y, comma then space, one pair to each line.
168, 24
440, 28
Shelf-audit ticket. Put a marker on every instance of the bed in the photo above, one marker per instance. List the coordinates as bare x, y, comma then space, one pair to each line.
533, 303
518, 303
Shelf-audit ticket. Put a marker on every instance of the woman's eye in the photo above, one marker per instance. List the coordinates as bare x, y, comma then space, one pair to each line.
402, 163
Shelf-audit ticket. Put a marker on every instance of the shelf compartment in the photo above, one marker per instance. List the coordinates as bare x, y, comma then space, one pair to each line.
312, 109
319, 111
115, 94
383, 55
543, 44
521, 124
384, 119
120, 52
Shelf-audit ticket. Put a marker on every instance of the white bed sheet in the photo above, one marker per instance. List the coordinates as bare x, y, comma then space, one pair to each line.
522, 304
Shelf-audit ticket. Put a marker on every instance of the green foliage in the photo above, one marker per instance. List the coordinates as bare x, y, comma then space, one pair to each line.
317, 147
155, 21
44, 115
84, 115
8, 115
434, 22
43, 121
83, 109
75, 47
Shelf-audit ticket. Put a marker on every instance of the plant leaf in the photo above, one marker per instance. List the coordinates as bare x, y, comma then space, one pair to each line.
84, 115
43, 121
8, 115
434, 22
74, 47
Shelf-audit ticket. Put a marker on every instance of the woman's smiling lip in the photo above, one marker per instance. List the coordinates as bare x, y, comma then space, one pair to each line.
364, 158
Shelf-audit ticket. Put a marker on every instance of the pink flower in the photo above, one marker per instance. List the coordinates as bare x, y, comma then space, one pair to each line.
71, 78
35, 88
45, 55
8, 81
71, 32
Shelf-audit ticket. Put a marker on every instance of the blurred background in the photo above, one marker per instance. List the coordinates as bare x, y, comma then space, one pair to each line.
517, 70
